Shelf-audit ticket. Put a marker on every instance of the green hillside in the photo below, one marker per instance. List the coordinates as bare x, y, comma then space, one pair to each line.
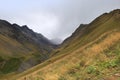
92, 52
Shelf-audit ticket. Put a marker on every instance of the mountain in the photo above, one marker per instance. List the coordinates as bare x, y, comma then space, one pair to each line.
56, 41
88, 32
21, 48
92, 52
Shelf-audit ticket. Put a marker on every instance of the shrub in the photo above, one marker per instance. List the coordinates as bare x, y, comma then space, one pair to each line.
91, 69
113, 63
110, 64
118, 60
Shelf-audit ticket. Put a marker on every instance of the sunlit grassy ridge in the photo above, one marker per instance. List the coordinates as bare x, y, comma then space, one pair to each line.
105, 22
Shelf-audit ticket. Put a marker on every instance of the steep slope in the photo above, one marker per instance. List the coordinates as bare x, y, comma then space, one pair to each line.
21, 48
91, 53
88, 32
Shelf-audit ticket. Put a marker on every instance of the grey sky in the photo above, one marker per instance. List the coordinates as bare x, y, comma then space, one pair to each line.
55, 19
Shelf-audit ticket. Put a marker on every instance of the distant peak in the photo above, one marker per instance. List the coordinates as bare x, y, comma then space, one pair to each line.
25, 27
116, 11
14, 24
83, 25
4, 22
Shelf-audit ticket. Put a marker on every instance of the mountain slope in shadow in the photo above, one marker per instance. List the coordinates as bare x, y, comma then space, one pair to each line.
21, 48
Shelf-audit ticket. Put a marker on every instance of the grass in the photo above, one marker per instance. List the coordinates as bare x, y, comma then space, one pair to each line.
13, 53
91, 33
93, 56
98, 69
11, 65
62, 78
1, 59
83, 64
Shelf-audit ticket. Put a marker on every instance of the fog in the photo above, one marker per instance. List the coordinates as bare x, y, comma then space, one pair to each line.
55, 19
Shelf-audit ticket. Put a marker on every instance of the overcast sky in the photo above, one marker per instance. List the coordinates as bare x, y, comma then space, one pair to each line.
55, 19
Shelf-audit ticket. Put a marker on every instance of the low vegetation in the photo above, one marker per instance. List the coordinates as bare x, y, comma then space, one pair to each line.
94, 55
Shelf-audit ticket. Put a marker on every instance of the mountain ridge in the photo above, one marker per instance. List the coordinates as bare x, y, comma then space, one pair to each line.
21, 47
91, 53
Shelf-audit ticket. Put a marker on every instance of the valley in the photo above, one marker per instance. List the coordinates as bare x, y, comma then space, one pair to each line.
92, 52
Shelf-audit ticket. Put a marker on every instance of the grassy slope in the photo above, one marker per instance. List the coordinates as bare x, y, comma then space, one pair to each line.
93, 56
82, 62
21, 48
10, 59
13, 53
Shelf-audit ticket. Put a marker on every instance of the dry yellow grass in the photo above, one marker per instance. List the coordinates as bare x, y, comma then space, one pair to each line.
105, 44
61, 66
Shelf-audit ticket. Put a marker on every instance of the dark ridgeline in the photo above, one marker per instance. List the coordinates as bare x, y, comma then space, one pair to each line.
30, 48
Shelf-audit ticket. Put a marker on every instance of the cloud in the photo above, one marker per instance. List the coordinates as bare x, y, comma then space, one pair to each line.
56, 19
